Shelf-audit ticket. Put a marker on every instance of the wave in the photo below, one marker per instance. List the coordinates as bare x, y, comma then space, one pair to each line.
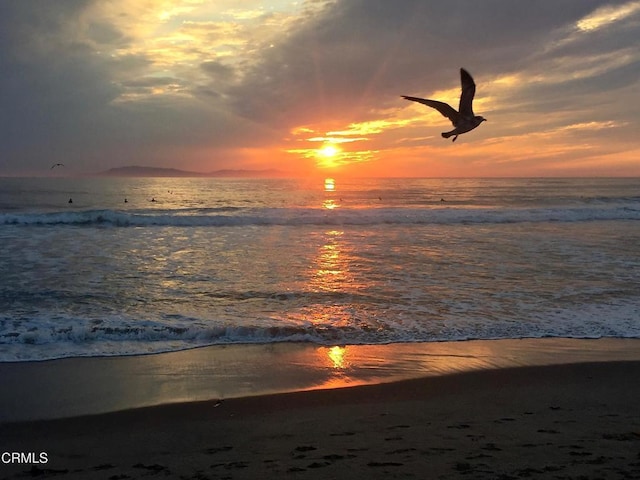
60, 337
237, 217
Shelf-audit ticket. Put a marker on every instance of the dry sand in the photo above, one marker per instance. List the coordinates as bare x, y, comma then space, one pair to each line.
572, 421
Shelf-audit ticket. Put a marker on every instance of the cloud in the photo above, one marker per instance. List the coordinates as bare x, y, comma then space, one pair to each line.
76, 87
359, 48
50, 83
607, 15
214, 83
355, 58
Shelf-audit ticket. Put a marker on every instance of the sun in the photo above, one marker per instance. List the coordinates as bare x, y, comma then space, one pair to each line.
329, 151
328, 156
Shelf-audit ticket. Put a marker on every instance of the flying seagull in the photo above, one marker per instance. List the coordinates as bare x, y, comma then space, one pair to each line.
57, 165
463, 120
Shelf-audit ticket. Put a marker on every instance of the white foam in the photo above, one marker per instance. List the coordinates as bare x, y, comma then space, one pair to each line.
40, 339
320, 216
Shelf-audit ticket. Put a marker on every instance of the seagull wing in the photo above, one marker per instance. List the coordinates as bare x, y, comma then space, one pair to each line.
445, 109
468, 91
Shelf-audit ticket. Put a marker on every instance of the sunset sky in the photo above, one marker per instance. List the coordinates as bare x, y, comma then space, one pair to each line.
314, 86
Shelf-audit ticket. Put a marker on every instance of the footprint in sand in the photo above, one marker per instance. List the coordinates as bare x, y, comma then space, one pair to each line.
154, 468
384, 464
305, 448
213, 450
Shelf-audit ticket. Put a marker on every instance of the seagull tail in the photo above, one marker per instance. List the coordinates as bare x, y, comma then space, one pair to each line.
450, 134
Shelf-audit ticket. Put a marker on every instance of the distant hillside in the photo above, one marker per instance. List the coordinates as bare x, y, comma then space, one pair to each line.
137, 171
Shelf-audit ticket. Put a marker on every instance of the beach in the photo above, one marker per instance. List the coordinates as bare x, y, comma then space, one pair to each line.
564, 420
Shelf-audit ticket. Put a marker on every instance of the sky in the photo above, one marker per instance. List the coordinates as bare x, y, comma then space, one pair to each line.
314, 86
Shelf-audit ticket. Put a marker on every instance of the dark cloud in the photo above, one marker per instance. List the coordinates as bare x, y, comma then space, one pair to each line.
218, 70
58, 94
50, 86
364, 53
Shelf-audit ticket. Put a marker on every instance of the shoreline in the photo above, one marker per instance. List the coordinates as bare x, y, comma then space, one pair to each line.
76, 387
572, 420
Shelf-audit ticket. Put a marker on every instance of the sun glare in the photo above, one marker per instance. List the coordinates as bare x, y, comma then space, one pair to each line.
328, 156
329, 151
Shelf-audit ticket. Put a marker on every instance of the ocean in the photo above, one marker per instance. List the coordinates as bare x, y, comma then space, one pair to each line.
144, 265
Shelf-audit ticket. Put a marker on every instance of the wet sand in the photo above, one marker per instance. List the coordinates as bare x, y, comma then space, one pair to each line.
82, 386
570, 421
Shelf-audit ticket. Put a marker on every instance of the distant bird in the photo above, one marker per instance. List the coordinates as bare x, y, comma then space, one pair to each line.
57, 165
463, 120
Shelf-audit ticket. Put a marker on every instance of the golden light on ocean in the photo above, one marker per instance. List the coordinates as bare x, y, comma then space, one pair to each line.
329, 184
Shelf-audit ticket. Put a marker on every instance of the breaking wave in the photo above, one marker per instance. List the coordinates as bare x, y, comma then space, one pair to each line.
117, 336
231, 217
